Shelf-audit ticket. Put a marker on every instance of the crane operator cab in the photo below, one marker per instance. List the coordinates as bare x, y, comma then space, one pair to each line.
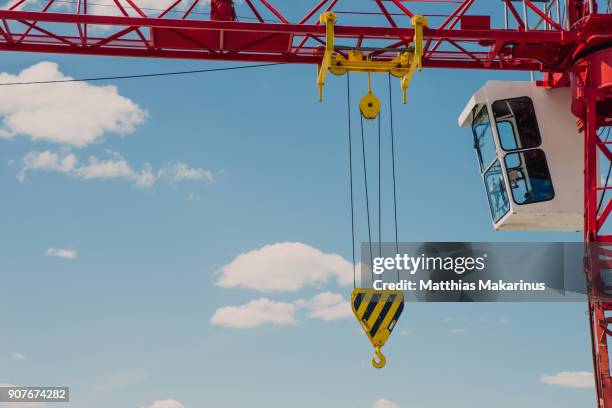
530, 155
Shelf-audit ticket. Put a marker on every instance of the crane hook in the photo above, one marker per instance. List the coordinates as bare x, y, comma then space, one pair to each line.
382, 360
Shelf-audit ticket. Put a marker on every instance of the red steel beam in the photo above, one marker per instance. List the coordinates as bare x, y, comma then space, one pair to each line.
49, 3
274, 11
382, 8
169, 8
543, 15
252, 57
297, 29
491, 55
403, 8
313, 11
591, 103
515, 13
254, 10
303, 42
448, 19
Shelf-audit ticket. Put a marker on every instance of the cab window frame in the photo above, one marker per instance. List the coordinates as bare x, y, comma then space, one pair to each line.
484, 111
512, 119
506, 193
511, 193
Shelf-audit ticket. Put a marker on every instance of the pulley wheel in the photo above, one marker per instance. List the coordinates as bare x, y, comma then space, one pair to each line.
369, 106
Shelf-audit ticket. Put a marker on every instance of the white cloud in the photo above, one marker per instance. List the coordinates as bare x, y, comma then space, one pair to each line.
571, 379
286, 266
74, 113
46, 161
19, 356
383, 403
326, 306
65, 253
112, 167
458, 331
167, 404
254, 314
181, 172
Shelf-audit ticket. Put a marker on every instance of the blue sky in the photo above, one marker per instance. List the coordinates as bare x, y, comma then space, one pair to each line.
243, 160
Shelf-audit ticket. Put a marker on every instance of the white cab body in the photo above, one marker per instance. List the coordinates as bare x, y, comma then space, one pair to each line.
541, 177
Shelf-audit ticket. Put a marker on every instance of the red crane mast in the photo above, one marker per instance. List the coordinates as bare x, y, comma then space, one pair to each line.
570, 42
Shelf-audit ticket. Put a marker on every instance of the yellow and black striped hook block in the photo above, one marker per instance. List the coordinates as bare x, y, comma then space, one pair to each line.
377, 312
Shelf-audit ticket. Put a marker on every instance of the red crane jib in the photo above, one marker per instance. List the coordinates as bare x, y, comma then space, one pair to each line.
462, 40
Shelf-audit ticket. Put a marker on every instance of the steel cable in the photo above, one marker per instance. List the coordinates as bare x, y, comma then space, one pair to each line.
350, 149
393, 167
159, 74
365, 178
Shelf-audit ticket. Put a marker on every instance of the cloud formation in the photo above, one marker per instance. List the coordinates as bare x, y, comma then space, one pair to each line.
571, 379
74, 113
181, 172
19, 356
167, 404
383, 403
326, 306
114, 166
66, 253
286, 266
254, 314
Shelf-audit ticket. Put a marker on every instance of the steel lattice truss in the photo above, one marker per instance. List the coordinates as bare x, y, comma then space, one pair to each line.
532, 36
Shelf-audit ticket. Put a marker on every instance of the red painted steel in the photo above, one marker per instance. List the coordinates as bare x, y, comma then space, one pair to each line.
222, 10
591, 82
270, 37
574, 52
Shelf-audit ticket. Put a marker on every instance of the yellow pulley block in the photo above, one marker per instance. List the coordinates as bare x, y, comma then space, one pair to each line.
377, 312
403, 65
369, 106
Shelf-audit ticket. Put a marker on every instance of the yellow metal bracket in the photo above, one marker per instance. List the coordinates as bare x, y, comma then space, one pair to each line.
403, 65
329, 19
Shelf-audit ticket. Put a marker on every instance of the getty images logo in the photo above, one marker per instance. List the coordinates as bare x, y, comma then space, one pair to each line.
414, 264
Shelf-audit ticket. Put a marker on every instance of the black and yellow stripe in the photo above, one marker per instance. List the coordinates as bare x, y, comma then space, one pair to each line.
377, 311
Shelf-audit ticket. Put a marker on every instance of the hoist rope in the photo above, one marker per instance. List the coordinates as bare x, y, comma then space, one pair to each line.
393, 168
379, 195
365, 178
350, 149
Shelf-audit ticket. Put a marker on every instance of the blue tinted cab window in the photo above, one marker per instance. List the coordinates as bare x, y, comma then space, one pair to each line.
483, 138
496, 191
529, 177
